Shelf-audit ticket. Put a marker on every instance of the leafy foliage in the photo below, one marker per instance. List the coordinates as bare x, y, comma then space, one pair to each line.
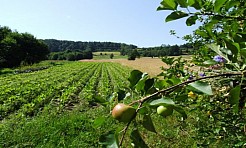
217, 94
20, 48
62, 45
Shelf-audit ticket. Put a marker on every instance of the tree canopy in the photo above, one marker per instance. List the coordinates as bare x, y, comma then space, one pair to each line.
62, 45
17, 48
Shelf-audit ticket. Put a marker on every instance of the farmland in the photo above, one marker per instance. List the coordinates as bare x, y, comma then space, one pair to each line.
57, 106
68, 104
67, 83
63, 87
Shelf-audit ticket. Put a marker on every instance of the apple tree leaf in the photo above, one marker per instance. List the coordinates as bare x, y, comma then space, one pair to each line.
168, 5
218, 5
163, 101
137, 139
110, 140
148, 124
191, 20
203, 87
181, 111
135, 76
175, 15
235, 97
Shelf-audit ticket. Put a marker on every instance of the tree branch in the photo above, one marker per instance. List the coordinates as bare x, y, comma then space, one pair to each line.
141, 101
181, 84
239, 18
128, 124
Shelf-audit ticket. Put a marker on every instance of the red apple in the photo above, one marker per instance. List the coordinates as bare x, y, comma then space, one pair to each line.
123, 113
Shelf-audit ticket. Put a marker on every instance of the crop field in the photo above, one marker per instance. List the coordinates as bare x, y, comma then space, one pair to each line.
64, 84
59, 89
56, 106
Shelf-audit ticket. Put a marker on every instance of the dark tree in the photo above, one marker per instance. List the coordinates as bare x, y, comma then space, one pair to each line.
111, 56
17, 48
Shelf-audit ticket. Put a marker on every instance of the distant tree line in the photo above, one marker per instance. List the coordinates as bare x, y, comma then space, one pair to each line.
20, 48
71, 55
165, 50
63, 45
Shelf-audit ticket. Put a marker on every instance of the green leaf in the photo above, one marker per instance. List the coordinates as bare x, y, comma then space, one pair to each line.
209, 62
148, 124
110, 140
231, 4
182, 97
234, 47
182, 3
216, 48
243, 52
201, 33
181, 111
135, 76
148, 84
195, 3
121, 95
141, 83
168, 60
218, 5
191, 20
176, 15
99, 121
235, 95
137, 139
168, 5
160, 84
191, 2
143, 110
203, 87
162, 101
173, 81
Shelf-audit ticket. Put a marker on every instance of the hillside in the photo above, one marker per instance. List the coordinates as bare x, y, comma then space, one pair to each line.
62, 45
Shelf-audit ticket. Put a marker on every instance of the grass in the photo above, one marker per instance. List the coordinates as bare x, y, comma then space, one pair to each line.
106, 55
78, 128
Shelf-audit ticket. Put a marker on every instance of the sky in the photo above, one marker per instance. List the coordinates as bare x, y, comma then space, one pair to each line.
123, 21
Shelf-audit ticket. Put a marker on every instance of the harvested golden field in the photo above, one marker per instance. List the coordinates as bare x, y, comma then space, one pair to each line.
145, 64
150, 65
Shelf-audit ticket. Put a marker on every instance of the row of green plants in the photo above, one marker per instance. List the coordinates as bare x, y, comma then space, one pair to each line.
65, 112
58, 86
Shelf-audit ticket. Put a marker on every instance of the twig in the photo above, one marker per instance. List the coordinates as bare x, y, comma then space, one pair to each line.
181, 84
128, 124
141, 101
239, 18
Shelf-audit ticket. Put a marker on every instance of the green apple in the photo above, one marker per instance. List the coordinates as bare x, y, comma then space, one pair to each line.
164, 111
123, 113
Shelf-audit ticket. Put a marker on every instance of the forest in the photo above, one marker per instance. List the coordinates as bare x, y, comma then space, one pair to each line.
62, 45
20, 48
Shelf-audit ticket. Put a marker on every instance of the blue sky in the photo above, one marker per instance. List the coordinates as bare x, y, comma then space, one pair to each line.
126, 21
